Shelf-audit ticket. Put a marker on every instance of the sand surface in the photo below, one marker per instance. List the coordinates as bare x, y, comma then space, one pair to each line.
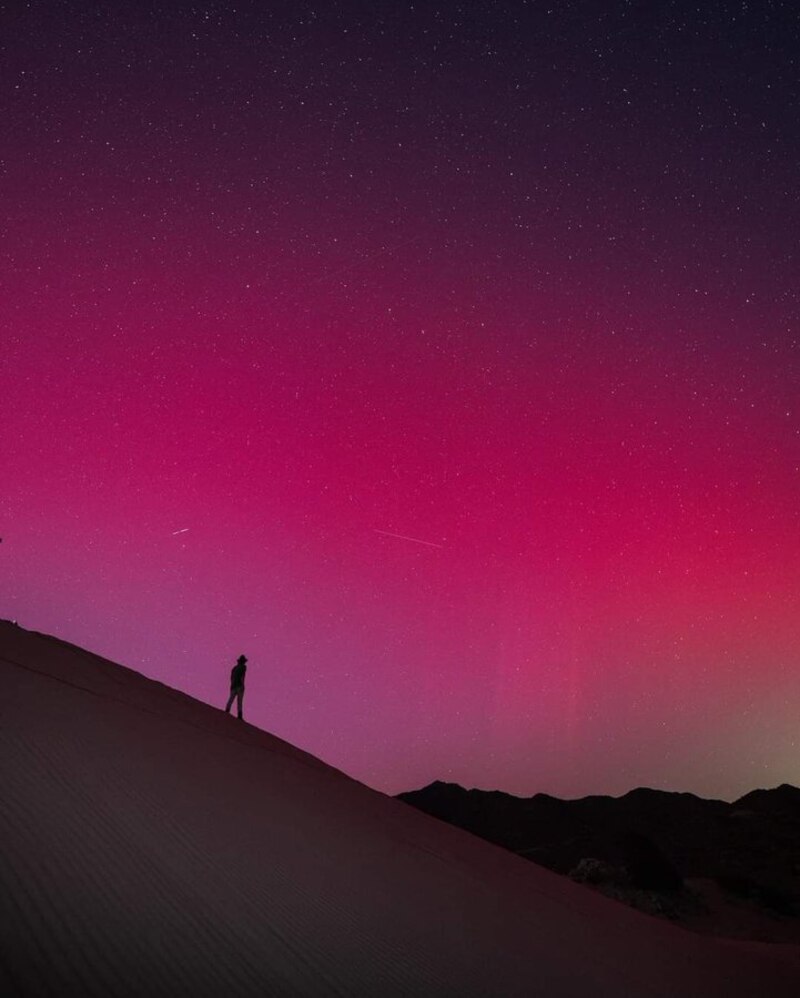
151, 845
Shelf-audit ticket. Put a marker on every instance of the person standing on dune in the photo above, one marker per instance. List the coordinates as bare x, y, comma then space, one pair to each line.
237, 685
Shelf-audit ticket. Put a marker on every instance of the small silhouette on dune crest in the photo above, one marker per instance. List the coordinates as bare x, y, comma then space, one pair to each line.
237, 685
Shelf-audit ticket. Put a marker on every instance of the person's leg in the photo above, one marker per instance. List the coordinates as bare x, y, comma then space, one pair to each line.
230, 701
240, 697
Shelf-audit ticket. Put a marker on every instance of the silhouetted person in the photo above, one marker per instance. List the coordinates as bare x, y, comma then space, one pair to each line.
237, 685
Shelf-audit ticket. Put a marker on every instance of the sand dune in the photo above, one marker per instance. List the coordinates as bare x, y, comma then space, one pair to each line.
151, 845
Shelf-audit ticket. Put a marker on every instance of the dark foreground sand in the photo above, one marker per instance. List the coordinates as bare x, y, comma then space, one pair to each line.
151, 845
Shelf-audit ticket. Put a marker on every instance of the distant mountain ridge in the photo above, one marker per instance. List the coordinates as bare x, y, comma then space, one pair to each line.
719, 867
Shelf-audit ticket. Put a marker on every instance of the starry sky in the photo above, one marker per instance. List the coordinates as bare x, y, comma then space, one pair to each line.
442, 358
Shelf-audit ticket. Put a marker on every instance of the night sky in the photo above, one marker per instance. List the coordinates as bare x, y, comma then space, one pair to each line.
442, 358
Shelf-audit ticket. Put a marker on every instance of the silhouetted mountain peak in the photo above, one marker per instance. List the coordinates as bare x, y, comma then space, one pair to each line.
652, 793
784, 799
441, 789
438, 788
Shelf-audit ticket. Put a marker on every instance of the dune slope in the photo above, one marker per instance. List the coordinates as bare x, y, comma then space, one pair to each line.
151, 845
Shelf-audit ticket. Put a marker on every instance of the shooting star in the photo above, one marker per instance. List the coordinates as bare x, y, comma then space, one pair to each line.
174, 532
405, 537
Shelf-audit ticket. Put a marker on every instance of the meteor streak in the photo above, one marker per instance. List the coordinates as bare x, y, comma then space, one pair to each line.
405, 537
